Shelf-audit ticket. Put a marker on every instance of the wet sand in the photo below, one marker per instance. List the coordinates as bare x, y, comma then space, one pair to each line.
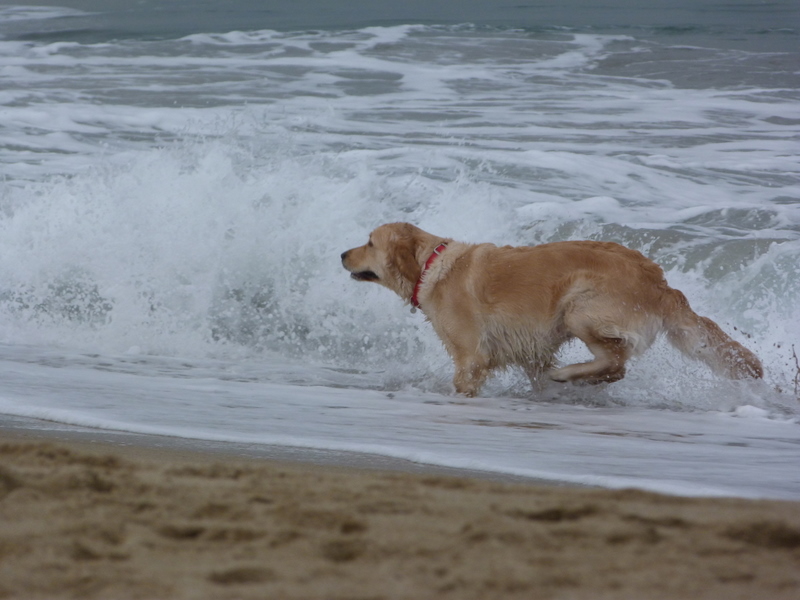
85, 515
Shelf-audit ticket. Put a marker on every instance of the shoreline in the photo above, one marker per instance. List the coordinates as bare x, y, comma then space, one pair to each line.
98, 516
147, 445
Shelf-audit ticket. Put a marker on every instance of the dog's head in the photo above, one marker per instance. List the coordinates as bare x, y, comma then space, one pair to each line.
392, 257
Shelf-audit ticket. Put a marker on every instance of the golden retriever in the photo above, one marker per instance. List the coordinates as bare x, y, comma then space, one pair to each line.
495, 307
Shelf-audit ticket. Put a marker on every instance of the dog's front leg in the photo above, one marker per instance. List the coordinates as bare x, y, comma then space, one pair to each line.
470, 375
462, 340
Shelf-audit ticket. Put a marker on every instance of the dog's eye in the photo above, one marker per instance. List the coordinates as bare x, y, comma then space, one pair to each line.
369, 243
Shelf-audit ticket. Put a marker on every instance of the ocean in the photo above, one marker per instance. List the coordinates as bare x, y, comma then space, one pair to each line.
178, 179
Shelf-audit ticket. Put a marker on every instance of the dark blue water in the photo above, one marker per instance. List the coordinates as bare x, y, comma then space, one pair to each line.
746, 24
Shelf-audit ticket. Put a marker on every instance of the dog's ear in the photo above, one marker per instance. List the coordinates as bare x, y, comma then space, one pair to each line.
407, 265
406, 255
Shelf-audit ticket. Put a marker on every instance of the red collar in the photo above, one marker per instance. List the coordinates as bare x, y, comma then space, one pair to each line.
436, 252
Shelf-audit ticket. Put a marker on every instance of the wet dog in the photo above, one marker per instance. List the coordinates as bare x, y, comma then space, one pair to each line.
495, 307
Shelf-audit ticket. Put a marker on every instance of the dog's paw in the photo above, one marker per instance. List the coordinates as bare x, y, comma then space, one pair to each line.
559, 375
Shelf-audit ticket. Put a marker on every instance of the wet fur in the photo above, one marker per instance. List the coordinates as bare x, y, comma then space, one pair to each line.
495, 307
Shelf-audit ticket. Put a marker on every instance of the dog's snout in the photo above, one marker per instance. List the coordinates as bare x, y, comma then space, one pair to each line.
344, 255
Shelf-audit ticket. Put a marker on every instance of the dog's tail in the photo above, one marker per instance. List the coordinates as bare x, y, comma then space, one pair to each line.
701, 338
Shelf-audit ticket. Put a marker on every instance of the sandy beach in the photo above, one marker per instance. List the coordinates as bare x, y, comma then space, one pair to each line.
85, 518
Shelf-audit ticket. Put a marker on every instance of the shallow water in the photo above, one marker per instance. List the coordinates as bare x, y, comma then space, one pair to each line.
176, 193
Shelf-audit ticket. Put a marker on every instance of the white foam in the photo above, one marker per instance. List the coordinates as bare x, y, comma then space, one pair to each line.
32, 13
197, 208
688, 454
751, 412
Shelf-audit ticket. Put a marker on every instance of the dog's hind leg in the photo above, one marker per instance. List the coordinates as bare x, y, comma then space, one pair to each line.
608, 365
611, 351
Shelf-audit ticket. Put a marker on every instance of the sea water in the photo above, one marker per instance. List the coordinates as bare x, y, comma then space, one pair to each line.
178, 180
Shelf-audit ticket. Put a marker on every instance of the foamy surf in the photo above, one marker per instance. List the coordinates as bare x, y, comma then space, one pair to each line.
185, 200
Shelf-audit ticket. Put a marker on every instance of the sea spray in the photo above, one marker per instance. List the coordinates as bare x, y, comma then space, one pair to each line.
202, 213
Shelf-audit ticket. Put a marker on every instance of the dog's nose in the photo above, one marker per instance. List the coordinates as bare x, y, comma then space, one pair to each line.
344, 254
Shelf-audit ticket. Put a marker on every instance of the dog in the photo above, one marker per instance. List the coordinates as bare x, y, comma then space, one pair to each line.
495, 307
